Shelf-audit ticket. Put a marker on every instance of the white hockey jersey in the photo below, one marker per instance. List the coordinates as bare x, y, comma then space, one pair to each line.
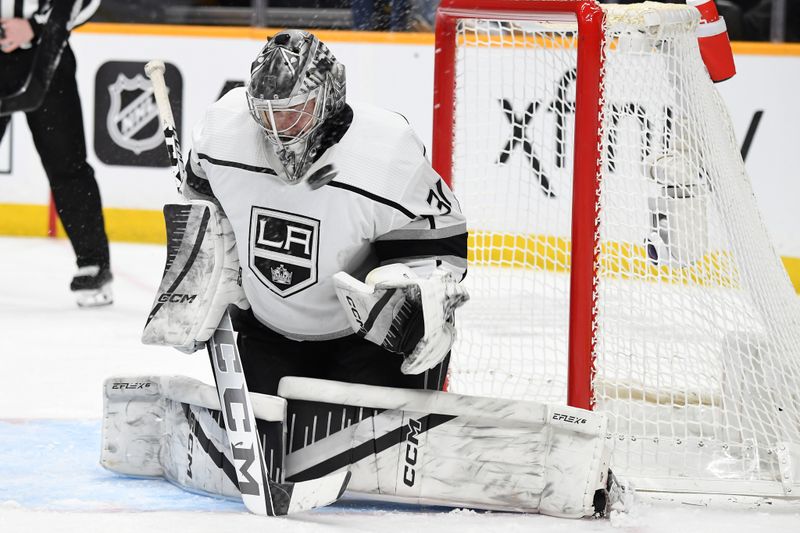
386, 204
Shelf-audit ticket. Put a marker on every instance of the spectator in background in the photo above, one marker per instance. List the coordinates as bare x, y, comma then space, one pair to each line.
756, 20
423, 15
57, 130
374, 15
749, 20
140, 11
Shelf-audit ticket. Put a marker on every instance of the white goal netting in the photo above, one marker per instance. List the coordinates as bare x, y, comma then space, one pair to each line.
697, 339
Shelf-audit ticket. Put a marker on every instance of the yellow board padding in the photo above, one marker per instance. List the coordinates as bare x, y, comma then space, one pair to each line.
792, 266
486, 248
558, 40
122, 225
367, 37
135, 225
619, 260
21, 220
541, 252
258, 34
765, 49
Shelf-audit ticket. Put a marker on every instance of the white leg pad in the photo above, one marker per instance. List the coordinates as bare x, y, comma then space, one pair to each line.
170, 426
448, 449
399, 445
133, 416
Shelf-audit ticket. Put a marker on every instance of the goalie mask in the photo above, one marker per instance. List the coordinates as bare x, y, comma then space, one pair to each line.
295, 85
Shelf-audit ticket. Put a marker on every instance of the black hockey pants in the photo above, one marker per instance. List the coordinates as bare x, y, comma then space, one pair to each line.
268, 356
57, 130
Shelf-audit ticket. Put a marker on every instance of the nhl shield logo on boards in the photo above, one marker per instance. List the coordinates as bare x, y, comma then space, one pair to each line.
127, 126
124, 123
283, 250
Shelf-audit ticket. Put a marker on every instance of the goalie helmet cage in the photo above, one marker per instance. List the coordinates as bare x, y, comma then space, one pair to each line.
617, 257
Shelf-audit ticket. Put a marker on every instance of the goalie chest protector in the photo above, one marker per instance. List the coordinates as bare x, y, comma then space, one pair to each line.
291, 239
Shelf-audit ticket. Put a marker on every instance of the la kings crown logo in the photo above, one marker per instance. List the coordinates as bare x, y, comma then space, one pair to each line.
127, 127
283, 250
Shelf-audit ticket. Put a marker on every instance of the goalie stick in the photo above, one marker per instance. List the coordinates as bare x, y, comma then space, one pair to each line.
261, 495
155, 71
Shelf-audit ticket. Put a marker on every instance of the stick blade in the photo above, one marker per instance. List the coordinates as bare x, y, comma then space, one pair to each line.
289, 498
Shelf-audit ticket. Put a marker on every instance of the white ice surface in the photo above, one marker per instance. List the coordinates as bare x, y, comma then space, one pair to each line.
54, 358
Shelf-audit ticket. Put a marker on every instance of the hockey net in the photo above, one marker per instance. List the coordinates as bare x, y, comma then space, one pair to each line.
617, 256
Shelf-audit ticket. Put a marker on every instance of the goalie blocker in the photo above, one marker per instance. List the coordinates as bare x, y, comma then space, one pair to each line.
399, 445
201, 277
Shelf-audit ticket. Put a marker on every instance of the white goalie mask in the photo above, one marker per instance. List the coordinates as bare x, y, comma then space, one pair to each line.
295, 85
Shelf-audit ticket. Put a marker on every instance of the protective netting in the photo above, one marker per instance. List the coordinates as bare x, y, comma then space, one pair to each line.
697, 347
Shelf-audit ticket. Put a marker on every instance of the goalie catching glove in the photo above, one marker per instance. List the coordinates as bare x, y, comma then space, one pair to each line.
404, 313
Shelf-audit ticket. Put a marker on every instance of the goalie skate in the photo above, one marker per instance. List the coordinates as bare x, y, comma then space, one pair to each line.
92, 286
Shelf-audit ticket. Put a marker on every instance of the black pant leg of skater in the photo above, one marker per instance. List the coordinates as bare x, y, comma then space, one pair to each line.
58, 133
268, 356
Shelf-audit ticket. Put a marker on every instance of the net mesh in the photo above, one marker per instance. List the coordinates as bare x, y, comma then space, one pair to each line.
697, 347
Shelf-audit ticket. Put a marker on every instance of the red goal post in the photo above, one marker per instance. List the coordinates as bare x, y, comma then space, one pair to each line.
588, 86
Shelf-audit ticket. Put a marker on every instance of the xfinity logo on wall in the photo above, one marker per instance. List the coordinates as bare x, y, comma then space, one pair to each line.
5, 150
127, 130
283, 250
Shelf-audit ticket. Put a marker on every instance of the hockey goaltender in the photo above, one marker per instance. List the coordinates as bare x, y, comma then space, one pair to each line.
295, 195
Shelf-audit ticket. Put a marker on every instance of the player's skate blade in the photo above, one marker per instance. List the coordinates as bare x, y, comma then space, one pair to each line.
92, 286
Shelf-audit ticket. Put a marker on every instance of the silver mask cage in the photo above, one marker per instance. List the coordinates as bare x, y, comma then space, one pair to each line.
279, 117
